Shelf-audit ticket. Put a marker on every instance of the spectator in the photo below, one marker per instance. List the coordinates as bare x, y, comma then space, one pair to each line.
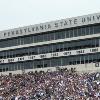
62, 84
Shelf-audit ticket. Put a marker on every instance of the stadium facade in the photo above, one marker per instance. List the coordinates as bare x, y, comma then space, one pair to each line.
72, 42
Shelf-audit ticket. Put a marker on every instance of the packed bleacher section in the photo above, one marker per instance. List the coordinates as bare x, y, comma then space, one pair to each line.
62, 84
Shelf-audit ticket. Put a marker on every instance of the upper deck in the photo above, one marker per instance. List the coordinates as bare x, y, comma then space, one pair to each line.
51, 26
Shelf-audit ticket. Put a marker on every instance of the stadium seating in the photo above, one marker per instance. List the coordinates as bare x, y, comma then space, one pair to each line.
62, 84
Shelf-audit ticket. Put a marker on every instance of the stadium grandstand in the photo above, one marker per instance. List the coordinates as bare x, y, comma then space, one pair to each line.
58, 60
71, 42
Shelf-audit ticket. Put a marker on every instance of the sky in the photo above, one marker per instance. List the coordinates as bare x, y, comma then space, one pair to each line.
19, 13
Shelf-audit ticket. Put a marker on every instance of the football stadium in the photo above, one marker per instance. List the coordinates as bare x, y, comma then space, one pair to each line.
57, 60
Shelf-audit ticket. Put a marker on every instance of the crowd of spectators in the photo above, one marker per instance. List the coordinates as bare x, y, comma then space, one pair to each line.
62, 84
